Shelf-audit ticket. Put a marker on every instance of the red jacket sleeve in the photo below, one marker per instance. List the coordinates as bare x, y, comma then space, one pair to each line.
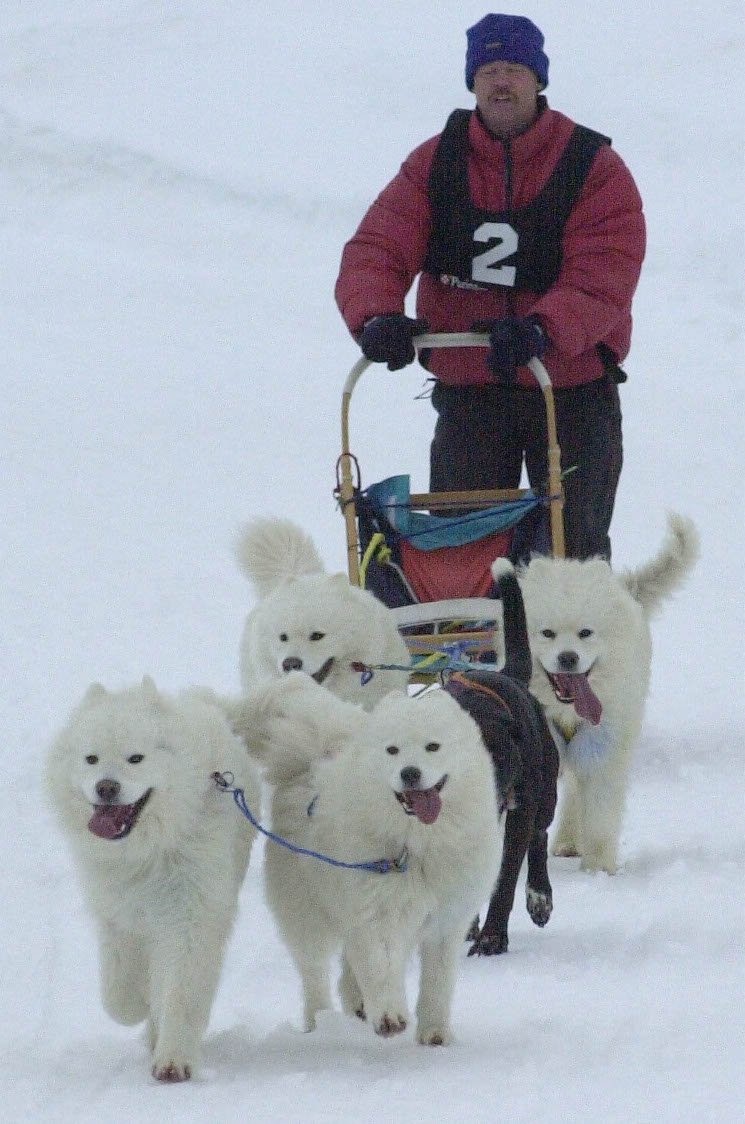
382, 259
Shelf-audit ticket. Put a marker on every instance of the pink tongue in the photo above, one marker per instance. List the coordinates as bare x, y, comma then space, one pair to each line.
426, 803
586, 702
108, 819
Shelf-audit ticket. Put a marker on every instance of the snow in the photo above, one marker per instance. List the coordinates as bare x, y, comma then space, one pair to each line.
177, 180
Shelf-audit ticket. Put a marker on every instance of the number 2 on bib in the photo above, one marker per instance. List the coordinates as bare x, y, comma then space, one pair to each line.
485, 267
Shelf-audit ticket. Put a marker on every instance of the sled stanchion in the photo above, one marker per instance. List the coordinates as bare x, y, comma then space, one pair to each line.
346, 484
553, 456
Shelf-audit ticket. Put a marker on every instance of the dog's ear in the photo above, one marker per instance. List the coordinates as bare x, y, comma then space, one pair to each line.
94, 694
340, 578
150, 692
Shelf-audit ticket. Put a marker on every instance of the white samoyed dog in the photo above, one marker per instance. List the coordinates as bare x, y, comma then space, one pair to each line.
591, 648
311, 621
409, 784
161, 854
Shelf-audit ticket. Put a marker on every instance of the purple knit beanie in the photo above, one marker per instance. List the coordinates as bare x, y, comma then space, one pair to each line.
505, 39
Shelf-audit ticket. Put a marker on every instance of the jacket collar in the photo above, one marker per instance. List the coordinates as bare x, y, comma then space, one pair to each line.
523, 145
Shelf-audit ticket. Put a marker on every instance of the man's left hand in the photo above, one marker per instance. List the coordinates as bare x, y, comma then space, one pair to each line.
513, 342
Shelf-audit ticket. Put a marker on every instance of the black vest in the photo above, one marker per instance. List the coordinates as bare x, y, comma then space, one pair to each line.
519, 249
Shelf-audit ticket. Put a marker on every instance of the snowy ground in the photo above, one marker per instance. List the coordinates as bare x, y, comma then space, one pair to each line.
177, 178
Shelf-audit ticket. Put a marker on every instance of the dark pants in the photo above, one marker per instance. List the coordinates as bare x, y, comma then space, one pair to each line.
484, 433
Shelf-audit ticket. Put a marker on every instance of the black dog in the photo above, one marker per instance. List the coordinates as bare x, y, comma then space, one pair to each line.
526, 764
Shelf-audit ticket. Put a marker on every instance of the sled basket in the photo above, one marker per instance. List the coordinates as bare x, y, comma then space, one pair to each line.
427, 556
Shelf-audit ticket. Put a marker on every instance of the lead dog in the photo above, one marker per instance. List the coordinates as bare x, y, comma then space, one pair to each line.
161, 855
409, 783
591, 646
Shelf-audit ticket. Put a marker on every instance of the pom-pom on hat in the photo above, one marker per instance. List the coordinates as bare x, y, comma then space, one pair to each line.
497, 38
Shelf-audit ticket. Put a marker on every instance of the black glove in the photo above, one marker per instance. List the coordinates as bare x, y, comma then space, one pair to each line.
513, 342
387, 339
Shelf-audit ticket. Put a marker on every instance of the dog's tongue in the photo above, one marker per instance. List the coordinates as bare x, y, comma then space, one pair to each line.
586, 702
426, 803
108, 820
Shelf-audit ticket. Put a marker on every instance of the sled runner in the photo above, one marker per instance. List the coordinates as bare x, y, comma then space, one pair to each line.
427, 556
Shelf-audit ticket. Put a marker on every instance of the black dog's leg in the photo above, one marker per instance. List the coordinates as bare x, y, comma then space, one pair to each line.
538, 894
518, 830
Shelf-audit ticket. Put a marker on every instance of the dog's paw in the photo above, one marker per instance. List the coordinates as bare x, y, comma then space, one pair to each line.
388, 1025
489, 944
169, 1071
539, 906
599, 863
564, 850
433, 1036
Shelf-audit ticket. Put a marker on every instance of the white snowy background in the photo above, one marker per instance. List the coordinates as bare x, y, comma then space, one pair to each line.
177, 179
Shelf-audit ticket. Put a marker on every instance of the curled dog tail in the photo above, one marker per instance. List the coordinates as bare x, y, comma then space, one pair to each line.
653, 582
273, 551
519, 663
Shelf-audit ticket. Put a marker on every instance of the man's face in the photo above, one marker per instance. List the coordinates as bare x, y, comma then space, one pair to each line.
506, 94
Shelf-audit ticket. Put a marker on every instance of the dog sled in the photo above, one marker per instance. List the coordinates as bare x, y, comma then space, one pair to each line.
427, 556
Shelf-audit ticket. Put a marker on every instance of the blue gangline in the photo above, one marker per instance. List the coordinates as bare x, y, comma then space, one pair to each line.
377, 866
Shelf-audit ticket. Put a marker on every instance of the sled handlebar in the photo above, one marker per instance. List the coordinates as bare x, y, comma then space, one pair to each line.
446, 339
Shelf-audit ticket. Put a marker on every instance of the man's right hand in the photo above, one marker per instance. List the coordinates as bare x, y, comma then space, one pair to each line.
387, 339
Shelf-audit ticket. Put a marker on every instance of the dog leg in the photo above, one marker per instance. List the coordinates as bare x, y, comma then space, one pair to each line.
377, 959
436, 987
349, 992
492, 939
538, 894
184, 971
566, 839
601, 799
313, 967
123, 976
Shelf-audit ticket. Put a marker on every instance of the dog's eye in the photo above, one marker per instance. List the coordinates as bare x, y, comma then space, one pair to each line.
392, 749
316, 635
283, 637
548, 633
432, 747
92, 759
584, 633
136, 758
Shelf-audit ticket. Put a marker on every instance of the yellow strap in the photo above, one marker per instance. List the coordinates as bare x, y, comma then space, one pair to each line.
377, 540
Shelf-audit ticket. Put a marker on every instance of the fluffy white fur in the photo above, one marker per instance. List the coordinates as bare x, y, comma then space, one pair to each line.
162, 884
312, 621
588, 621
347, 766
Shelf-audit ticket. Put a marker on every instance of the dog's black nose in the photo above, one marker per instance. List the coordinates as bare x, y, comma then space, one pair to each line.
108, 791
292, 663
567, 661
411, 776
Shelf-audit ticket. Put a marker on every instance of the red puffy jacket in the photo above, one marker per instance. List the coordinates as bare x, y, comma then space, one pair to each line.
602, 252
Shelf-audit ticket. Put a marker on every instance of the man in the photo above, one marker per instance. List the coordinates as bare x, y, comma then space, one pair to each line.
522, 224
